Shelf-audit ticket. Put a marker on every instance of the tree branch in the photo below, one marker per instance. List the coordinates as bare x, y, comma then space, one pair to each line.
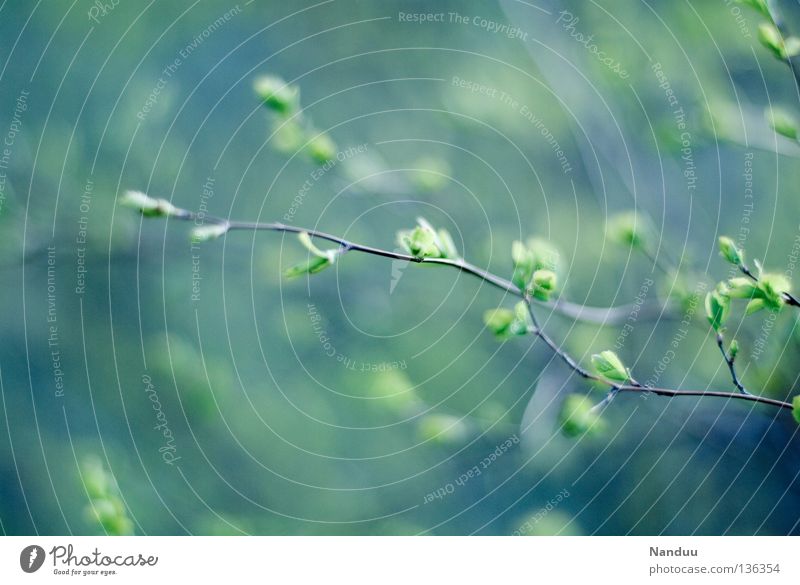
498, 282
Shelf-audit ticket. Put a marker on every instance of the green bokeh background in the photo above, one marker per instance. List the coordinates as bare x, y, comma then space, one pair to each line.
276, 436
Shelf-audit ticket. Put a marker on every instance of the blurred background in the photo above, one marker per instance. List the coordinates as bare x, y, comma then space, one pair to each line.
152, 386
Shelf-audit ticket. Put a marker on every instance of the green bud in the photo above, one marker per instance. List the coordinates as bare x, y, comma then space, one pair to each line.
208, 232
444, 429
629, 229
505, 323
277, 95
322, 148
729, 251
318, 259
796, 408
313, 265
733, 350
543, 284
771, 287
770, 37
754, 306
782, 122
608, 365
425, 242
95, 478
741, 288
759, 5
577, 417
446, 244
149, 206
545, 255
523, 260
717, 309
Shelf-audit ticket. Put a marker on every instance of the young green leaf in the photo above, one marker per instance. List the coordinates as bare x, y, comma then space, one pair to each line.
733, 349
523, 260
577, 417
318, 259
277, 95
322, 148
718, 308
608, 365
796, 408
729, 251
444, 429
208, 232
447, 245
505, 323
771, 287
770, 37
629, 229
783, 123
754, 306
741, 288
545, 255
543, 284
149, 206
425, 242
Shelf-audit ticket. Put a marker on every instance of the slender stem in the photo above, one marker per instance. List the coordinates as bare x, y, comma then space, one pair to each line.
497, 281
729, 360
569, 360
633, 385
598, 315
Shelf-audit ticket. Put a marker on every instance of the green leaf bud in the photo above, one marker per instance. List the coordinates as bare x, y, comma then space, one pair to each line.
577, 417
523, 260
729, 251
149, 206
545, 255
318, 260
733, 350
772, 286
322, 148
717, 309
444, 429
277, 95
796, 408
425, 242
543, 284
754, 306
782, 122
770, 37
505, 323
208, 232
446, 244
608, 365
629, 229
741, 288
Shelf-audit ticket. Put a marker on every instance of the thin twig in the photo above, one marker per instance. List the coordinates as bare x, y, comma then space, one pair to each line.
729, 360
497, 281
597, 315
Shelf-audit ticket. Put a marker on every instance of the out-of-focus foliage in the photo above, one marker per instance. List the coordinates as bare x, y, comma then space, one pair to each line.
224, 399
